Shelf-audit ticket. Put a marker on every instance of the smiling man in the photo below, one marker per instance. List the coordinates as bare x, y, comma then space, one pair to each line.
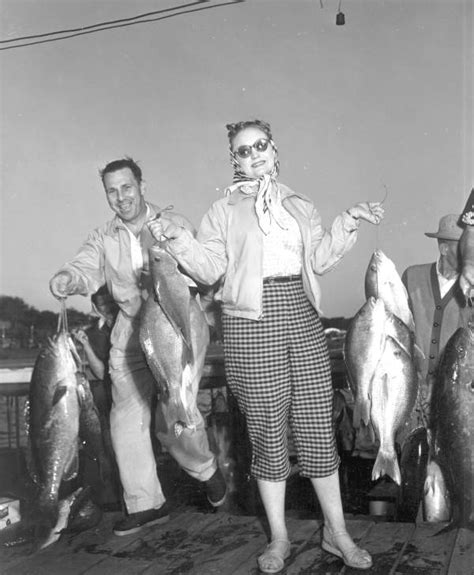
116, 254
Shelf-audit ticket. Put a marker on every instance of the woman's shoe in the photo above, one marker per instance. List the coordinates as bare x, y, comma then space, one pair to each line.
354, 556
272, 560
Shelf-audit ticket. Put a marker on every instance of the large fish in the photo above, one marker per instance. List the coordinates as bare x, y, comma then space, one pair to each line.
363, 346
90, 430
413, 465
53, 425
436, 498
382, 281
393, 392
452, 412
174, 336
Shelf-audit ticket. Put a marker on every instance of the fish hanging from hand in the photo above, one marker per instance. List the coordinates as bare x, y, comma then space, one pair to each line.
174, 336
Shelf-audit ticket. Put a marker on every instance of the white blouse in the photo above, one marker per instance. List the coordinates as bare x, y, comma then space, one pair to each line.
282, 247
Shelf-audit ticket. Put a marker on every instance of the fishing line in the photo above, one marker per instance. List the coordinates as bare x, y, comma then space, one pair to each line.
62, 317
377, 238
64, 312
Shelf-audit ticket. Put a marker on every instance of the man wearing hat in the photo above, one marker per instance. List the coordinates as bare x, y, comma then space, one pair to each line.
436, 300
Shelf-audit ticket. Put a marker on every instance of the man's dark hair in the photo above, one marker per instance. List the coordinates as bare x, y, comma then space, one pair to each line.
121, 164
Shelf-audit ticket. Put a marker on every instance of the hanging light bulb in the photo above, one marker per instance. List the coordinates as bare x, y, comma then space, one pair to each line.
340, 18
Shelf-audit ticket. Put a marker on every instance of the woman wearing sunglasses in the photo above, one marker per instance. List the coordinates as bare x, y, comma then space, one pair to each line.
264, 244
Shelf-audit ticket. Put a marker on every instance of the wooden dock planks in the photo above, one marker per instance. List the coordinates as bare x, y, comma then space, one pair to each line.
198, 543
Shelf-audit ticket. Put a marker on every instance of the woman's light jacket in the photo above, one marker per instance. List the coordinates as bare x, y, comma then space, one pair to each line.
229, 249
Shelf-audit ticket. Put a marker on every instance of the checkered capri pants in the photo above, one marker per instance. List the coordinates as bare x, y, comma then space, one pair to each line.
278, 369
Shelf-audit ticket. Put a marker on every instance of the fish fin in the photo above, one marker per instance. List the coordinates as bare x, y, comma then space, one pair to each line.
61, 390
361, 413
418, 353
386, 464
72, 469
428, 486
401, 345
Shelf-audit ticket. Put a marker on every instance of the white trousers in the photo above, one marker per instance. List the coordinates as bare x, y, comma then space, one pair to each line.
133, 388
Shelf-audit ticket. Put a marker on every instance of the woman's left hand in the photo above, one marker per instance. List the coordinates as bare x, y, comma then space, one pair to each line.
372, 212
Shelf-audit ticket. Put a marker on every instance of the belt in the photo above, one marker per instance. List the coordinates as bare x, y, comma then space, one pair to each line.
281, 279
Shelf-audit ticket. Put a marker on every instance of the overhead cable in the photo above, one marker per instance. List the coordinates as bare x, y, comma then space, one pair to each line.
121, 23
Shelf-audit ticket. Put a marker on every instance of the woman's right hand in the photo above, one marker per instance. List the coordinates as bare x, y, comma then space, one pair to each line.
371, 212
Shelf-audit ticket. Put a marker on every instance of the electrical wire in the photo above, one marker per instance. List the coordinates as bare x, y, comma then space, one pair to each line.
34, 36
113, 24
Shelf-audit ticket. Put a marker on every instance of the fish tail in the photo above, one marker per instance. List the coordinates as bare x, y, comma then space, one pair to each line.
386, 464
44, 517
429, 486
361, 413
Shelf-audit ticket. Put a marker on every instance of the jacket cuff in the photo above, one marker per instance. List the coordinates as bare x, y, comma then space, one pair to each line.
351, 224
180, 244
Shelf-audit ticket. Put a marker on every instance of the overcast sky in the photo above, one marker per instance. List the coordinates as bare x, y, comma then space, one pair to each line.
384, 102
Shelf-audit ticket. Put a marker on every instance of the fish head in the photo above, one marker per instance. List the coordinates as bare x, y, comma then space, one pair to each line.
56, 357
379, 262
380, 271
57, 346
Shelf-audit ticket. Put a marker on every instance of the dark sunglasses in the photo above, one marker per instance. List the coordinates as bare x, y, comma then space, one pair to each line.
246, 151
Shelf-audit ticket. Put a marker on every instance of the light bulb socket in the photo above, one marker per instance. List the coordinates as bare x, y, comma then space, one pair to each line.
340, 19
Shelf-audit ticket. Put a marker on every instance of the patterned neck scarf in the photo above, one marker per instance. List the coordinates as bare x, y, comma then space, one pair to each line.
268, 205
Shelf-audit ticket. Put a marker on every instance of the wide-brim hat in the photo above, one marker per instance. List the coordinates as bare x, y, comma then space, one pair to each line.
448, 229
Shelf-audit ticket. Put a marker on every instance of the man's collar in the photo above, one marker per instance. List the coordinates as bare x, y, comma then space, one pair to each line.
118, 223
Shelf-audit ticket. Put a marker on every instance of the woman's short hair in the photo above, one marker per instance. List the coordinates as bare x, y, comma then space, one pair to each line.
234, 129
